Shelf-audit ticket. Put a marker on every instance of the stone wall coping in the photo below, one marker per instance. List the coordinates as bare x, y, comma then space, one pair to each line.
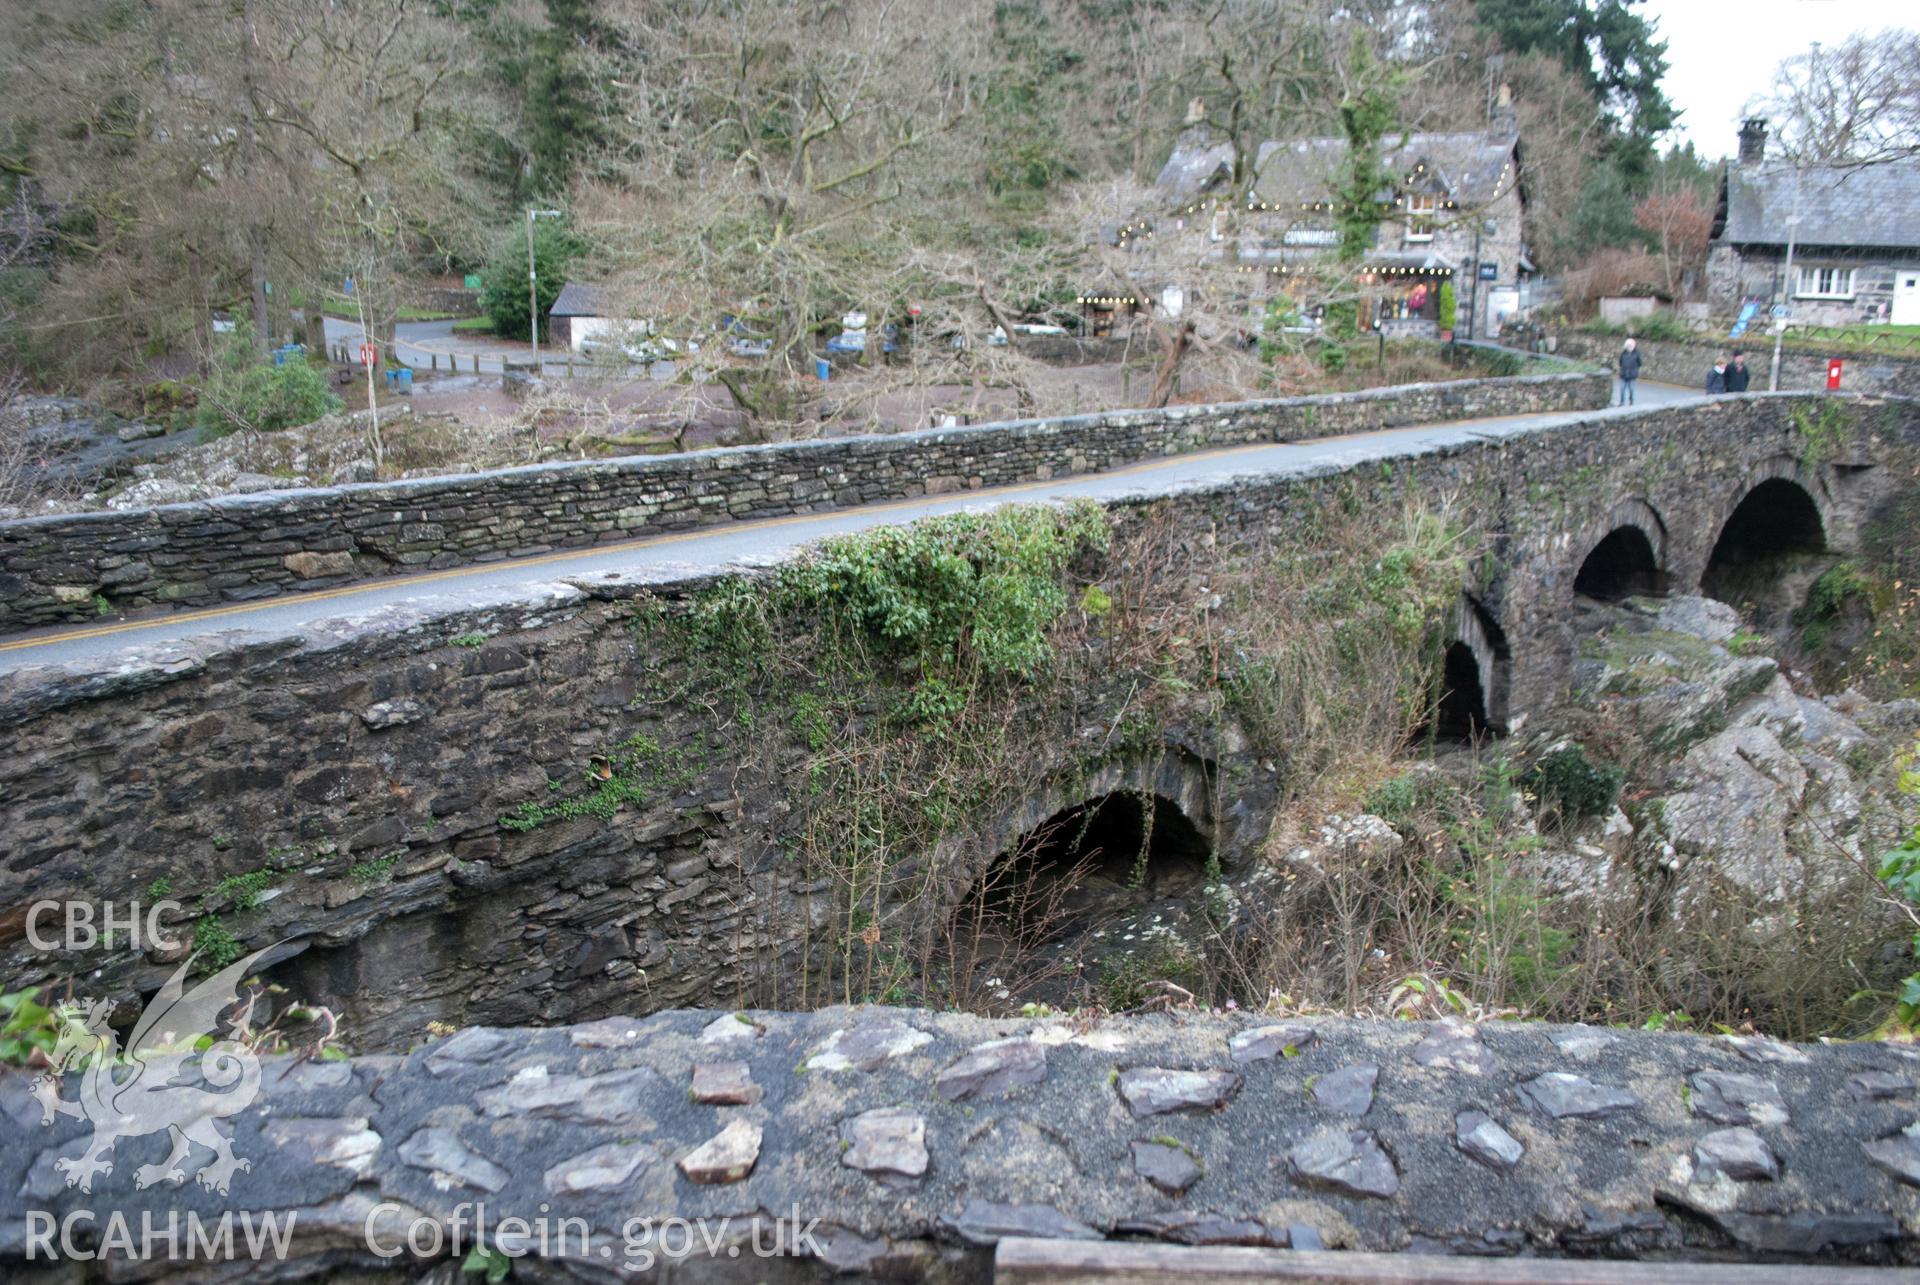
906, 1131
720, 457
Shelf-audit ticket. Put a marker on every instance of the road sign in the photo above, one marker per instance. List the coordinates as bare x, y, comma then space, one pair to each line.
368, 355
1780, 312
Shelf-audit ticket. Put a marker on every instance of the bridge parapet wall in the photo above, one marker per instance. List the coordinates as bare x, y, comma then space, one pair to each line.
917, 1140
74, 567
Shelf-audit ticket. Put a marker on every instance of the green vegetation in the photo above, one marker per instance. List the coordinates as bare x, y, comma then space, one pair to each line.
472, 638
30, 1027
245, 394
244, 890
503, 282
1900, 872
379, 870
214, 946
1825, 434
1572, 786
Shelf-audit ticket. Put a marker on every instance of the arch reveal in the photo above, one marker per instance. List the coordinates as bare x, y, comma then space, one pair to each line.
1622, 565
1475, 673
1085, 864
1775, 527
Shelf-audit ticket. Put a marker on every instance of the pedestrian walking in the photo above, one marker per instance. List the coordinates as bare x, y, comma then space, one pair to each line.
1717, 378
1738, 376
1629, 366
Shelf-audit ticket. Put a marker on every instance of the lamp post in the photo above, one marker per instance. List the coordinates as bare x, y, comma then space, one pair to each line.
533, 293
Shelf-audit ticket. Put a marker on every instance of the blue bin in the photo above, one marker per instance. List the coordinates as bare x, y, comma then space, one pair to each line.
406, 380
822, 369
393, 379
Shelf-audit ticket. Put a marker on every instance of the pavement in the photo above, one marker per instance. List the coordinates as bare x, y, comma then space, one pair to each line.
715, 548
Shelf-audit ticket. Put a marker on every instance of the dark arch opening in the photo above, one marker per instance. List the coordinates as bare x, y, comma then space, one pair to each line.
1462, 713
1776, 524
1621, 566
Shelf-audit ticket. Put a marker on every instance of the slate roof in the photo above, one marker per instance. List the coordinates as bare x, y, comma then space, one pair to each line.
1471, 169
578, 299
1874, 206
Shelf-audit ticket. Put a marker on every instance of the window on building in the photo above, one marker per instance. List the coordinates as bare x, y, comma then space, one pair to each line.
1825, 283
1421, 208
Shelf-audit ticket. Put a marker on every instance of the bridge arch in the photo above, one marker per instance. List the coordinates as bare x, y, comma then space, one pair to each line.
1476, 675
1770, 537
1629, 559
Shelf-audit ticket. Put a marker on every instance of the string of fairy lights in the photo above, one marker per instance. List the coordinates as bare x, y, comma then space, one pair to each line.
1143, 229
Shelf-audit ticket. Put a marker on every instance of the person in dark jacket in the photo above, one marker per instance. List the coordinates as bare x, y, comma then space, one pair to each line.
1629, 370
1717, 378
1738, 376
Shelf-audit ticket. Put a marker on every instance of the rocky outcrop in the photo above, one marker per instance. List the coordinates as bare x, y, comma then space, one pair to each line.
1545, 1141
1764, 799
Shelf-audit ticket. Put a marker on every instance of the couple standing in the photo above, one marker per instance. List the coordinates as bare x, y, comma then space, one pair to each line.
1730, 376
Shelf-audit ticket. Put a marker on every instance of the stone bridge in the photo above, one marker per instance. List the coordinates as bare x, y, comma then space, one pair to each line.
904, 1144
341, 788
338, 794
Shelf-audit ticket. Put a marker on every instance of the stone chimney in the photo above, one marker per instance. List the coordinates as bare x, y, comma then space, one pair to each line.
1753, 141
1503, 122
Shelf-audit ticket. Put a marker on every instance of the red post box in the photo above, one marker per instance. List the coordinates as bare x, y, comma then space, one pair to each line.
1833, 375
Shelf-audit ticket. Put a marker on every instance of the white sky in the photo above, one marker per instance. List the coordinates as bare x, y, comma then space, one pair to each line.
1722, 52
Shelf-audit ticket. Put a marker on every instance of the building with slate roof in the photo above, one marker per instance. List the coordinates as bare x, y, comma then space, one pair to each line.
1856, 233
1456, 213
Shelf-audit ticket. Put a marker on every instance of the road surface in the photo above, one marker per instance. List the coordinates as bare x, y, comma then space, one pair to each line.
715, 547
427, 345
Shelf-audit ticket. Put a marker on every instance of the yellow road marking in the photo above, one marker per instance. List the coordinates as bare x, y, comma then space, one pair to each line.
681, 537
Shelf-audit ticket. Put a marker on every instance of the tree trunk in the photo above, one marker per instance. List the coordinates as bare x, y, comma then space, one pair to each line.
1170, 367
249, 156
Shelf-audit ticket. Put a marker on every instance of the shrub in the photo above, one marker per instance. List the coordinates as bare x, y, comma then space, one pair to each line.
1449, 311
503, 282
243, 393
1573, 785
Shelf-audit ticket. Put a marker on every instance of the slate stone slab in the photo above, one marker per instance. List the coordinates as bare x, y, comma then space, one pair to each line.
728, 1156
730, 1028
603, 1168
984, 1222
1899, 1154
1350, 1161
1455, 1046
1349, 1090
1730, 1097
1563, 1096
1761, 1048
1187, 1227
990, 1070
1877, 1086
442, 1152
867, 1046
1480, 1136
723, 1084
1739, 1153
888, 1142
1281, 1039
1167, 1167
618, 1097
1155, 1090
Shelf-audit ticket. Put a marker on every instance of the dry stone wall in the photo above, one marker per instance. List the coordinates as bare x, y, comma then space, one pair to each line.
900, 1143
256, 546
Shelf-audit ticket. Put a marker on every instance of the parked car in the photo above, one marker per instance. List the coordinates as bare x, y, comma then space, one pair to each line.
849, 341
750, 346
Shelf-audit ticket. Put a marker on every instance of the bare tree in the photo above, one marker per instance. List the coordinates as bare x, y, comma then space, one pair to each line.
1855, 104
